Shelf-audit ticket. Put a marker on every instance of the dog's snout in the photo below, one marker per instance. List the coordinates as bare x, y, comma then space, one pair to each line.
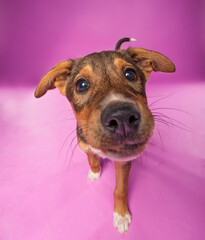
121, 118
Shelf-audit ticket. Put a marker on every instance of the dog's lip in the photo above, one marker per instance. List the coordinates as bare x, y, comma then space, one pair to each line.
124, 152
127, 147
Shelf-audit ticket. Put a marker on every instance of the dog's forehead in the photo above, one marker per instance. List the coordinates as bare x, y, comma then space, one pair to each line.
102, 60
105, 56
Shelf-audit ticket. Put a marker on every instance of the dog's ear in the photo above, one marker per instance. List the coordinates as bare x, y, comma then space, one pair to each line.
149, 61
56, 77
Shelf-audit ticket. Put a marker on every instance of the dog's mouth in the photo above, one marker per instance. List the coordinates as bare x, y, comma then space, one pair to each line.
125, 148
123, 152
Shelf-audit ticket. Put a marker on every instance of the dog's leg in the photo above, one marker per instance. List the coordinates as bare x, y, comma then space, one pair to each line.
95, 168
122, 217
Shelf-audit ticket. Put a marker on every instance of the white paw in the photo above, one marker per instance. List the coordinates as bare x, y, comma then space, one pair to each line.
120, 222
93, 176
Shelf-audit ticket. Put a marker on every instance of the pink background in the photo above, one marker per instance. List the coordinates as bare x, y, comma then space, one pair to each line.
35, 35
44, 191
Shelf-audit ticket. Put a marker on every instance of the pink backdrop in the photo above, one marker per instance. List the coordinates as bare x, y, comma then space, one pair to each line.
37, 34
44, 192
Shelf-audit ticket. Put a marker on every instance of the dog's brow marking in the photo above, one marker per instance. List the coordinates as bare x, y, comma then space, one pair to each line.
119, 62
86, 71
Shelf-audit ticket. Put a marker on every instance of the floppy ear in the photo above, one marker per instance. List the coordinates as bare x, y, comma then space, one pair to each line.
149, 61
56, 77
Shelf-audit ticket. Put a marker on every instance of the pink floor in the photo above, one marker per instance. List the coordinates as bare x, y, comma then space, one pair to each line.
44, 191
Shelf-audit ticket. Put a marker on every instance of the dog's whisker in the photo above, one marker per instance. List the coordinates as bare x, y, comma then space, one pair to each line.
155, 96
157, 114
66, 156
70, 148
169, 108
160, 99
160, 136
161, 121
171, 124
168, 119
72, 153
70, 145
66, 139
68, 117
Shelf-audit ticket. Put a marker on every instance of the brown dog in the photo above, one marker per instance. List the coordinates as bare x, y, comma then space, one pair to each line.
107, 93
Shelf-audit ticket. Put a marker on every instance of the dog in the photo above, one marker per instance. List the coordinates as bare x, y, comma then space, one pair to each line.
107, 93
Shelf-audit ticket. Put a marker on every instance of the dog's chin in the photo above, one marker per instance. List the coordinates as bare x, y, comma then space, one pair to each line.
126, 152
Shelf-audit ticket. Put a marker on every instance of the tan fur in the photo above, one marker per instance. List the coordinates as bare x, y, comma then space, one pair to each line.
150, 60
119, 63
122, 171
56, 77
85, 72
94, 162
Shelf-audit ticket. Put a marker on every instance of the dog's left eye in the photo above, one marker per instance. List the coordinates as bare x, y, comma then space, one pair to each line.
82, 85
130, 74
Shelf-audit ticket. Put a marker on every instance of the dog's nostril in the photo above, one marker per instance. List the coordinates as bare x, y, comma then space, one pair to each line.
133, 120
113, 124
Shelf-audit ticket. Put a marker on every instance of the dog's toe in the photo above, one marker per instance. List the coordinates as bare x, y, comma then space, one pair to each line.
121, 223
93, 176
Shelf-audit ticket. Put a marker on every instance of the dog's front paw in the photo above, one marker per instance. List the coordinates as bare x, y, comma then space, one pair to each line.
93, 176
121, 223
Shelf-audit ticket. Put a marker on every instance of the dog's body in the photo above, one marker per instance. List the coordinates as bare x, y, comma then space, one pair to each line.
107, 93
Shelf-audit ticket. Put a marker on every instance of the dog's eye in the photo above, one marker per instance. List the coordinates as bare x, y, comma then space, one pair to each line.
130, 74
82, 85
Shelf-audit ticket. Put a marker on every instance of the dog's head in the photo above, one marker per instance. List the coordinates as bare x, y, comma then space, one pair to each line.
107, 93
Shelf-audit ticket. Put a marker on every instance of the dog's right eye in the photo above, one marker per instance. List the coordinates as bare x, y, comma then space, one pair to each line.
82, 85
130, 74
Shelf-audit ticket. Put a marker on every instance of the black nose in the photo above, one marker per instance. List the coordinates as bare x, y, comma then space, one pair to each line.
121, 118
